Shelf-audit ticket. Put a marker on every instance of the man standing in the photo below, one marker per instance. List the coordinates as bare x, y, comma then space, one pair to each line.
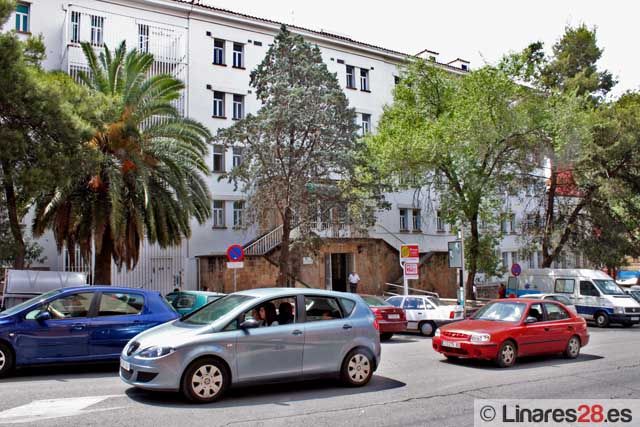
502, 291
354, 280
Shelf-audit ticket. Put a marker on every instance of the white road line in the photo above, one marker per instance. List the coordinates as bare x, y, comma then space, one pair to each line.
52, 408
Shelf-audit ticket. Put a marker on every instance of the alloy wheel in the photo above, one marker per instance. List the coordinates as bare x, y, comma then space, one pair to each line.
573, 348
3, 360
508, 354
359, 368
207, 381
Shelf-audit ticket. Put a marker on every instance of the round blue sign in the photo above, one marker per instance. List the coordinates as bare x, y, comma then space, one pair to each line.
235, 253
516, 270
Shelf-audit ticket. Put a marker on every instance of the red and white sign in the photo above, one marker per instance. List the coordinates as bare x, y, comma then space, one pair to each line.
409, 253
235, 253
411, 270
232, 265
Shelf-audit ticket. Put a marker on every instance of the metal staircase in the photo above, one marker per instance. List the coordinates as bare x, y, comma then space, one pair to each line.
265, 243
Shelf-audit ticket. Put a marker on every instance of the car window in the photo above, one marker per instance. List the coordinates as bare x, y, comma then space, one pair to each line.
17, 308
588, 289
395, 301
212, 312
120, 304
413, 304
536, 311
374, 301
70, 306
435, 301
348, 305
321, 308
501, 312
565, 286
555, 312
275, 312
182, 300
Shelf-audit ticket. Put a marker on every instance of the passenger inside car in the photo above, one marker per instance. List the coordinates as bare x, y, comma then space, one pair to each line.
536, 311
285, 313
268, 314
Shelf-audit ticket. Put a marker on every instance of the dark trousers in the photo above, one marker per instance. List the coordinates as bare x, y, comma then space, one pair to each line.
353, 288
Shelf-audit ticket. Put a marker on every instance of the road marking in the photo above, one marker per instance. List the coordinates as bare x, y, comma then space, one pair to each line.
52, 408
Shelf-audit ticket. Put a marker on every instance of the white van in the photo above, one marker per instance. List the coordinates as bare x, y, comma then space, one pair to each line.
596, 296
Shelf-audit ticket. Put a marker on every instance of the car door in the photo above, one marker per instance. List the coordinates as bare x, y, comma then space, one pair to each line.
560, 326
64, 336
327, 335
533, 336
416, 311
588, 301
119, 317
270, 352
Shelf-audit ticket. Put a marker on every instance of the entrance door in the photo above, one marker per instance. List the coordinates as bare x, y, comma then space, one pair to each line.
339, 272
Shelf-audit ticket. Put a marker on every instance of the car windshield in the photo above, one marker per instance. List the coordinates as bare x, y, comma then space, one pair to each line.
501, 312
212, 312
18, 308
608, 287
635, 294
374, 301
436, 301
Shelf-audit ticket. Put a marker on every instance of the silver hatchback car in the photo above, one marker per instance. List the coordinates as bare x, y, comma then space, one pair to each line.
254, 336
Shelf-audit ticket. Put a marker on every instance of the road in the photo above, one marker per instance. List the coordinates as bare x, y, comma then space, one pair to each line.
413, 386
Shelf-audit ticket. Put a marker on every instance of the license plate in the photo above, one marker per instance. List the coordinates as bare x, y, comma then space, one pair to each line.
635, 319
125, 365
393, 316
451, 344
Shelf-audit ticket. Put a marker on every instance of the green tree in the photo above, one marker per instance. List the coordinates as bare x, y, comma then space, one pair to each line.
301, 154
44, 116
462, 137
147, 177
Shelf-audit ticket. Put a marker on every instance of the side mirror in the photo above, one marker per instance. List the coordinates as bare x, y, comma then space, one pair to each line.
530, 319
249, 324
43, 316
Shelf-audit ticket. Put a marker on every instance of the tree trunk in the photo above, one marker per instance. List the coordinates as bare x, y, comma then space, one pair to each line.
12, 212
283, 262
549, 218
473, 257
102, 273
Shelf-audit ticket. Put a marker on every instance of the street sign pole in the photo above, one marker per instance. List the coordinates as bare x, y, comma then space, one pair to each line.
235, 287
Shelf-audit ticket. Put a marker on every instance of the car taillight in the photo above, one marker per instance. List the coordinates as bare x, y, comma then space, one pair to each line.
376, 325
378, 314
452, 314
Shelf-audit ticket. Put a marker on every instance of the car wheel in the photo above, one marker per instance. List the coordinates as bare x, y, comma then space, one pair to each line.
6, 360
385, 337
601, 319
573, 348
205, 380
427, 328
507, 354
357, 367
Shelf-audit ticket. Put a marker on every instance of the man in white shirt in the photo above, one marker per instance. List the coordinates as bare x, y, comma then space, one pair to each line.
354, 280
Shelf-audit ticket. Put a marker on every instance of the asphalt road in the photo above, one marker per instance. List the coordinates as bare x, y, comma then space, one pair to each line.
413, 386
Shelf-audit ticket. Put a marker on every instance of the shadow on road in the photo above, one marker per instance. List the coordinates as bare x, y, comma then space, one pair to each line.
400, 340
529, 362
279, 394
64, 373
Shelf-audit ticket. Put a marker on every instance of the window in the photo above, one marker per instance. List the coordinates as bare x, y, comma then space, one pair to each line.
321, 308
364, 80
348, 306
22, 17
536, 311
404, 220
514, 257
120, 304
71, 306
505, 259
143, 38
588, 289
237, 156
218, 104
238, 55
395, 301
218, 214
75, 27
218, 51
439, 222
396, 80
564, 286
351, 77
218, 158
508, 224
366, 123
416, 223
238, 214
238, 107
464, 67
555, 312
97, 30
413, 304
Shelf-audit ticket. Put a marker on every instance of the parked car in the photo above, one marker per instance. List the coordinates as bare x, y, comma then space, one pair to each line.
426, 313
184, 302
88, 323
504, 330
391, 319
315, 333
562, 299
634, 291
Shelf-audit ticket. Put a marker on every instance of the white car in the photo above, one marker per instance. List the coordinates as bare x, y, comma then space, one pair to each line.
554, 297
426, 313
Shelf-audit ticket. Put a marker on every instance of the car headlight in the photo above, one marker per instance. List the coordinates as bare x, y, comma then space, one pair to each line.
618, 310
437, 334
480, 337
155, 352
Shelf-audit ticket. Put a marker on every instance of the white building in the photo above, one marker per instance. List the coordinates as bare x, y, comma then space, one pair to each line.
213, 51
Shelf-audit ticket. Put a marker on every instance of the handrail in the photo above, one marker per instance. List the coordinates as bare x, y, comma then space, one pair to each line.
413, 290
390, 232
265, 243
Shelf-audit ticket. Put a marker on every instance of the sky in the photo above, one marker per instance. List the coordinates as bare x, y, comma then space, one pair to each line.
479, 31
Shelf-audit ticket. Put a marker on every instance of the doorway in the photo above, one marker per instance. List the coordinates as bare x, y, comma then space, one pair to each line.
337, 268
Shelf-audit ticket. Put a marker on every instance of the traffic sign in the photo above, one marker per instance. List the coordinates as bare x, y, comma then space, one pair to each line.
235, 253
411, 270
232, 265
455, 254
516, 269
409, 253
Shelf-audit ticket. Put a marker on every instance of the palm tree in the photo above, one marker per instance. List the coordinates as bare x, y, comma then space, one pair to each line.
147, 177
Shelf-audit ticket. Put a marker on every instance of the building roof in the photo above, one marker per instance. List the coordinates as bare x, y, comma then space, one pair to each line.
427, 51
322, 33
458, 60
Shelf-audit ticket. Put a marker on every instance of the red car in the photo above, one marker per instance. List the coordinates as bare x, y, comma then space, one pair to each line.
504, 330
390, 319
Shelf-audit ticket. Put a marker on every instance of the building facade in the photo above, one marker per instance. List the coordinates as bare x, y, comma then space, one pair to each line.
213, 51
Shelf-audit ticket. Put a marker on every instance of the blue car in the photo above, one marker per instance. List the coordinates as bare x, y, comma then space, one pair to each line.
89, 323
